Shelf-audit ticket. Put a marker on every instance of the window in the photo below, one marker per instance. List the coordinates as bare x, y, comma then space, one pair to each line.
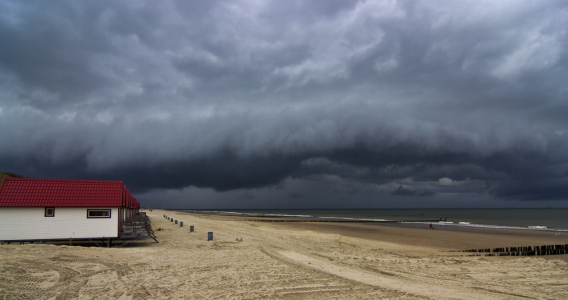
49, 211
98, 213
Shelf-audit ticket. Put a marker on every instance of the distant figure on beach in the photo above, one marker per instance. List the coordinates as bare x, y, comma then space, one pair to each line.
431, 227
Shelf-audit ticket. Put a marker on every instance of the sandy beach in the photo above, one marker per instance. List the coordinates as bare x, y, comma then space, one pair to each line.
260, 260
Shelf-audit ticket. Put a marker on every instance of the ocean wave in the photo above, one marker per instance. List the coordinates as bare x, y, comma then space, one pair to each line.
265, 215
468, 224
440, 223
356, 219
298, 216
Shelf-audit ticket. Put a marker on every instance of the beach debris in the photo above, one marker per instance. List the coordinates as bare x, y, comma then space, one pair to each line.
191, 228
210, 236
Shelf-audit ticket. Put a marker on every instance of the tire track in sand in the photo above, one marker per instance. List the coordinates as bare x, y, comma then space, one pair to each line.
407, 285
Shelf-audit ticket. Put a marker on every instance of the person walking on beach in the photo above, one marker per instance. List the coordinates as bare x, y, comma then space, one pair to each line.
430, 225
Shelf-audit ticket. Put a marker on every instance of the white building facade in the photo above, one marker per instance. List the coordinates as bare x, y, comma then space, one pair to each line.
49, 209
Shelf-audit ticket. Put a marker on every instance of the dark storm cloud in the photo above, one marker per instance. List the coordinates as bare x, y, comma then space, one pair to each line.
47, 47
402, 191
368, 99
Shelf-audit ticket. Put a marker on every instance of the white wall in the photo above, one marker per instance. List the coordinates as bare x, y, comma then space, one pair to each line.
30, 223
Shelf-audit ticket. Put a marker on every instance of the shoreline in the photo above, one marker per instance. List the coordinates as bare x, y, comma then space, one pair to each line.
441, 221
446, 238
259, 260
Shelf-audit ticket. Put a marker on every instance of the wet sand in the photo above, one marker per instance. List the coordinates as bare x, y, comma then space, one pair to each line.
253, 260
441, 237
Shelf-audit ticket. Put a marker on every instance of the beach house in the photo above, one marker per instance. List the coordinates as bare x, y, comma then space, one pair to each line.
63, 209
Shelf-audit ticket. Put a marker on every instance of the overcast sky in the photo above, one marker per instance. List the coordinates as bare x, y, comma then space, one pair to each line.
291, 104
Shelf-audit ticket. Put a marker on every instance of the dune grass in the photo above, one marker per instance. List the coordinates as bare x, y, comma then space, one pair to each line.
4, 175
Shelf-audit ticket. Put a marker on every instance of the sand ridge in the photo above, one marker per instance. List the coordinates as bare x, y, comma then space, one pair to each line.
271, 262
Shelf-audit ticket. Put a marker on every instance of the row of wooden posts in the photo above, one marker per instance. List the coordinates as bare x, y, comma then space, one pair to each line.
521, 251
191, 227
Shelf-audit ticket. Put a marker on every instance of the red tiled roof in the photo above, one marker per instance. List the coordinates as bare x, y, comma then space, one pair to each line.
27, 192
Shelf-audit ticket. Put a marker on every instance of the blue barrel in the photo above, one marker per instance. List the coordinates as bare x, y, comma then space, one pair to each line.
191, 228
210, 236
180, 224
172, 219
176, 221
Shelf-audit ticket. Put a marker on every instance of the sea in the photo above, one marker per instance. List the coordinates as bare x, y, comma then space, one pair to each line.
549, 219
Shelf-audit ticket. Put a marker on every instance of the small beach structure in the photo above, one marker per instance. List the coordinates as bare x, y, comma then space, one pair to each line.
66, 209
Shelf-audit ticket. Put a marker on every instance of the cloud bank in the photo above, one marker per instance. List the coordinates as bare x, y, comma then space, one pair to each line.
376, 100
